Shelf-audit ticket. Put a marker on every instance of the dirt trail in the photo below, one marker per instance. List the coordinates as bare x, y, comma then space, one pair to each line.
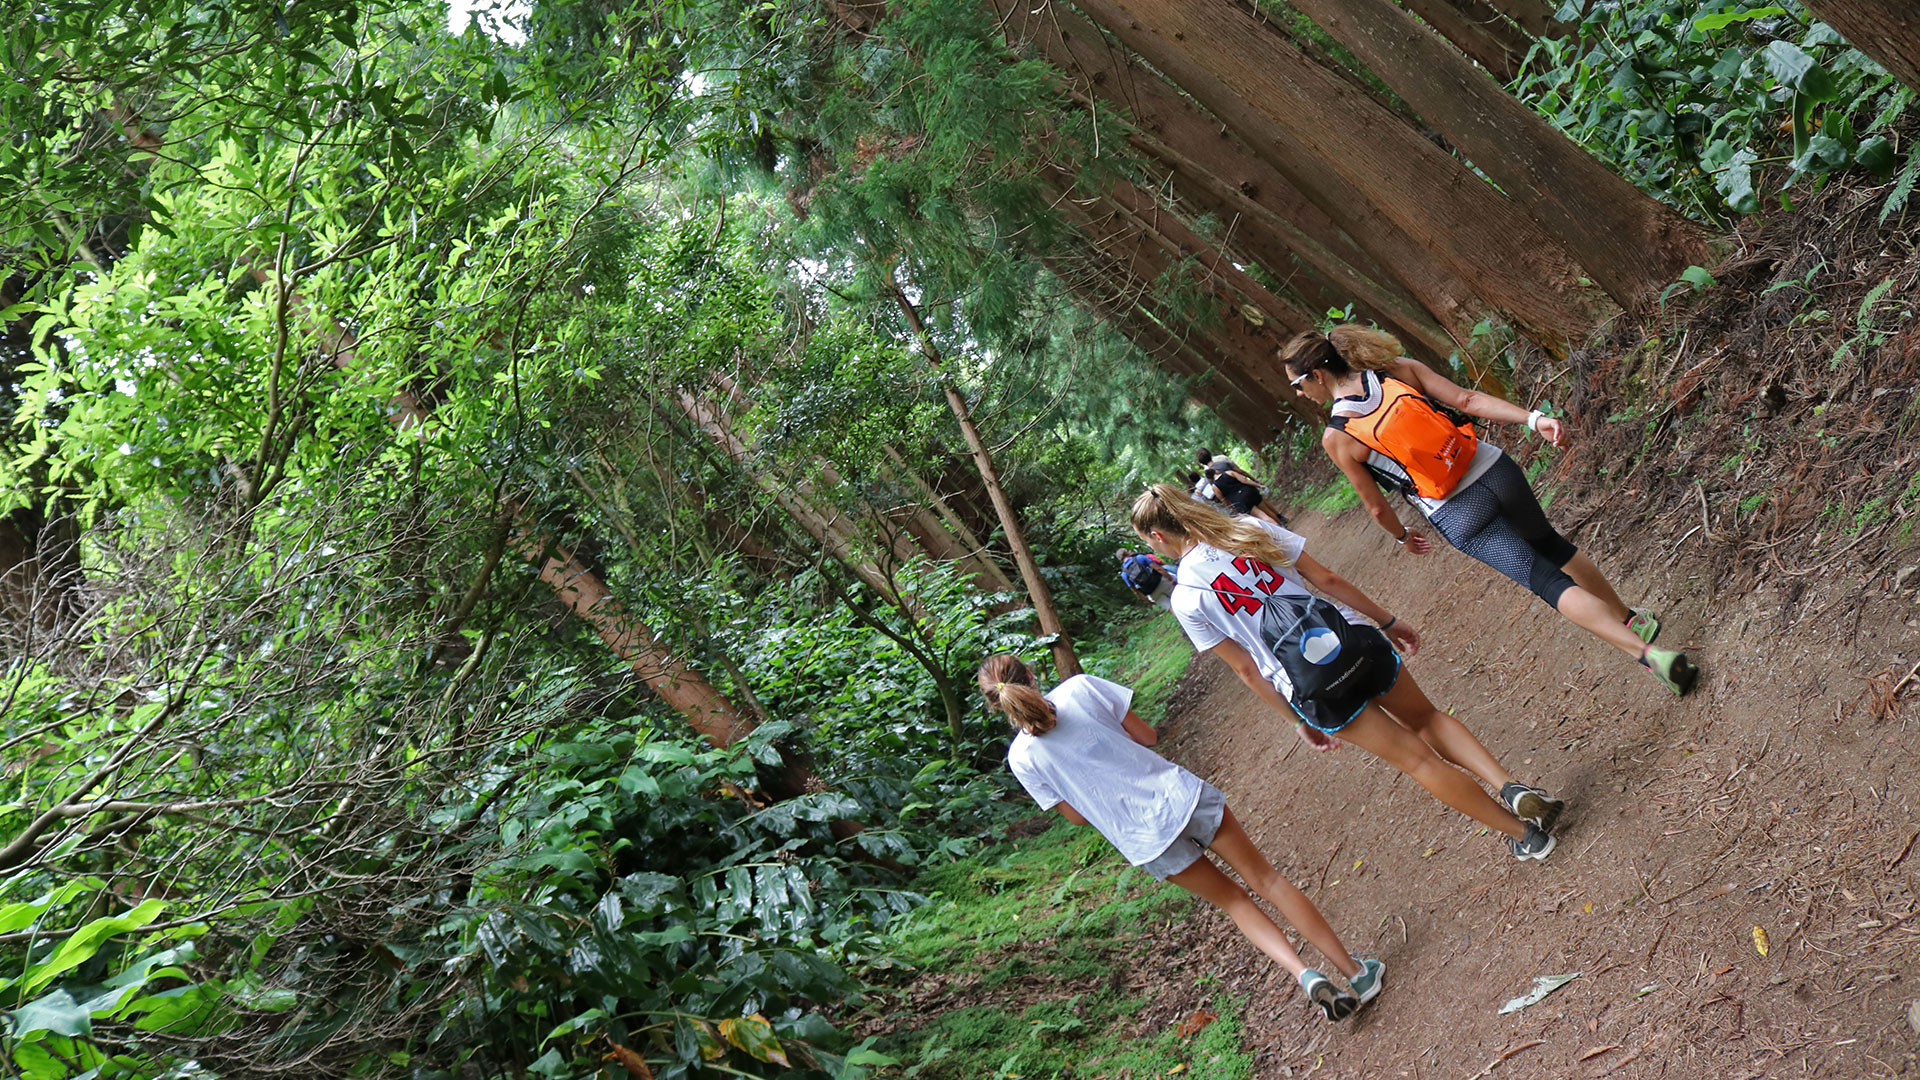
1781, 795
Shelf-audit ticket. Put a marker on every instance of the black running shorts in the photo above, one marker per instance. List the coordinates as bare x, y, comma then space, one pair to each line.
1497, 520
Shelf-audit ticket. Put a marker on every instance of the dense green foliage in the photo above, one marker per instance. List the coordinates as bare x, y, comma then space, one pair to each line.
1701, 103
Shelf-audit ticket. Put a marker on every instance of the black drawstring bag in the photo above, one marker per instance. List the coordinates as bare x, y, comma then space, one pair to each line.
1323, 655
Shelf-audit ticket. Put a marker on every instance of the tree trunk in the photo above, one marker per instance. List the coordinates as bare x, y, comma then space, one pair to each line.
1219, 272
1065, 663
1270, 240
908, 529
972, 554
1536, 17
1250, 346
684, 690
829, 530
1886, 30
1207, 387
1379, 248
1185, 138
1477, 30
1629, 243
1227, 347
1279, 99
585, 595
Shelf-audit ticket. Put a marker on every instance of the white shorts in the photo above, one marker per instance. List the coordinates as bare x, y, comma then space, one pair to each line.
1194, 839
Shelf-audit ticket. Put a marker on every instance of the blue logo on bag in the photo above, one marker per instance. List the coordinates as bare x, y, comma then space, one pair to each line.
1319, 645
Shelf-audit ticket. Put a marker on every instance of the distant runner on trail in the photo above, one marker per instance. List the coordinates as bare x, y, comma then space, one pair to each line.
1385, 430
1146, 575
1242, 592
1236, 488
1200, 487
1083, 751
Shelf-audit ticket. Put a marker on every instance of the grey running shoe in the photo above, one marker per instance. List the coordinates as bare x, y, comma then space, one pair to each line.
1531, 804
1334, 1002
1366, 985
1644, 625
1537, 844
1672, 668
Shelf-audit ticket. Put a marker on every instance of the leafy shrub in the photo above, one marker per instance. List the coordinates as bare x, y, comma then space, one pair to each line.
1691, 100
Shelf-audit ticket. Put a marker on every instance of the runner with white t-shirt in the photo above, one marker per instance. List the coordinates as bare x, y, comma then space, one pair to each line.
1236, 575
1083, 751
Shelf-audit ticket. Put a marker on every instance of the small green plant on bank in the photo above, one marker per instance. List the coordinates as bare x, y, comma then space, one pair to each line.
1043, 936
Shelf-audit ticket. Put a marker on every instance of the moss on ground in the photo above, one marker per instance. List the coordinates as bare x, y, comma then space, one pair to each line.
1039, 937
1149, 654
1335, 497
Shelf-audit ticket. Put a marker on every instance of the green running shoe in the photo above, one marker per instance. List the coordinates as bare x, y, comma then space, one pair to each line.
1644, 625
1672, 667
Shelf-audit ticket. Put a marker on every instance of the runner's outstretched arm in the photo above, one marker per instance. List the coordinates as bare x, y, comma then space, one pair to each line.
1473, 402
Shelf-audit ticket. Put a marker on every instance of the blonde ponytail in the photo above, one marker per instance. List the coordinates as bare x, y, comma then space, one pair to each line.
1008, 686
1170, 510
1367, 348
1347, 348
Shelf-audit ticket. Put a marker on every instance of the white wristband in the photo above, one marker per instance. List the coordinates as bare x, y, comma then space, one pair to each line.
1533, 420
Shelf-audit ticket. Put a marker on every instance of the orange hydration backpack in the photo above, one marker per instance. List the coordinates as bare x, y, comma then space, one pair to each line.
1434, 451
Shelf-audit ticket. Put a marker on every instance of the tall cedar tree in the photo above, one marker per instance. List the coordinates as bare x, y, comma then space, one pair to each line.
1887, 30
1445, 292
1208, 166
1629, 243
1513, 264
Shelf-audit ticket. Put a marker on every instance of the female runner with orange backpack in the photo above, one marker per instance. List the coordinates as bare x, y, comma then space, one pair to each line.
1385, 430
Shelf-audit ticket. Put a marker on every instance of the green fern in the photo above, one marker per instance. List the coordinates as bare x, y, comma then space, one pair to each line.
1902, 188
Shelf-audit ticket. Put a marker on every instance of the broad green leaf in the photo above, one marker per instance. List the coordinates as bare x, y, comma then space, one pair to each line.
754, 1034
1722, 19
56, 1013
1735, 181
84, 942
1797, 69
1697, 276
1875, 154
15, 917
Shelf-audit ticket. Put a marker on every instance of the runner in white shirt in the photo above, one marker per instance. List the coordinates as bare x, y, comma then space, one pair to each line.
1083, 751
1232, 570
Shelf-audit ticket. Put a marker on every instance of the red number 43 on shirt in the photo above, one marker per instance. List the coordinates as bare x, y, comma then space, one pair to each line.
1236, 597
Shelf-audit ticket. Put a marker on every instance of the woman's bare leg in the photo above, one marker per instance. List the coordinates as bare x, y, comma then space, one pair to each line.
1376, 733
1234, 845
1205, 880
1588, 576
1599, 618
1409, 705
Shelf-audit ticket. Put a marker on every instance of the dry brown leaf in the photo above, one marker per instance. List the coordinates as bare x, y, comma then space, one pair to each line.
635, 1064
1195, 1024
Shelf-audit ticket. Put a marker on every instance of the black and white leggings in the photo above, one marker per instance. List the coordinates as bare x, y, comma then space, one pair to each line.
1497, 520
